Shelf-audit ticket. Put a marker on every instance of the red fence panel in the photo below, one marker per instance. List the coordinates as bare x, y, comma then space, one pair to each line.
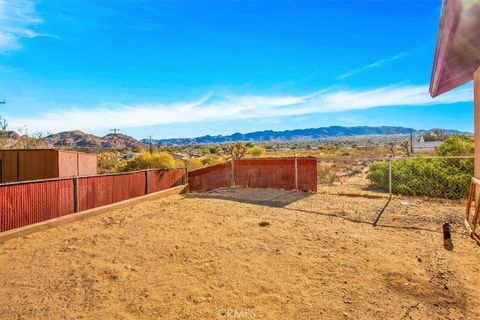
164, 179
265, 173
258, 173
98, 191
28, 203
211, 178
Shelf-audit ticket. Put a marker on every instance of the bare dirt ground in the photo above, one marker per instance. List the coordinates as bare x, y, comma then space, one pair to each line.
205, 256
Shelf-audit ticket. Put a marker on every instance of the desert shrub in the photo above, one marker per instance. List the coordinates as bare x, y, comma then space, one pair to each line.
456, 146
434, 178
108, 162
345, 153
444, 178
256, 151
211, 160
215, 150
327, 173
195, 163
180, 163
151, 160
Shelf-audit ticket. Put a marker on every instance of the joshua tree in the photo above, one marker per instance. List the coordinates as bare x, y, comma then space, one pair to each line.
3, 124
3, 132
439, 133
237, 150
29, 141
392, 149
406, 145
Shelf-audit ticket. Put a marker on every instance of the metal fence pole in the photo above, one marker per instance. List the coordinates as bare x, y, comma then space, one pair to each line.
75, 194
233, 172
296, 173
390, 177
146, 182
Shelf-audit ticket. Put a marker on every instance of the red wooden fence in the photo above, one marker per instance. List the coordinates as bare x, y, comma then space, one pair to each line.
282, 173
165, 179
210, 178
99, 191
25, 203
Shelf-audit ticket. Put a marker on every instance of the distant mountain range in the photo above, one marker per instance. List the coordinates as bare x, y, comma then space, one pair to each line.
296, 135
80, 139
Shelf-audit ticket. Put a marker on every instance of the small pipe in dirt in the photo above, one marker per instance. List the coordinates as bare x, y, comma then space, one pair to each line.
447, 237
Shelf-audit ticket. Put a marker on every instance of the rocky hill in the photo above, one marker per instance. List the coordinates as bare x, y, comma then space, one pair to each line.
69, 139
8, 139
80, 139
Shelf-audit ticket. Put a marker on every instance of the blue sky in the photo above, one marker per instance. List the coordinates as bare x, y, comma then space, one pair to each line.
189, 68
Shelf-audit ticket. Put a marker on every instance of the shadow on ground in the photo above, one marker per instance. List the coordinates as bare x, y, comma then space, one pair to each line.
265, 197
379, 212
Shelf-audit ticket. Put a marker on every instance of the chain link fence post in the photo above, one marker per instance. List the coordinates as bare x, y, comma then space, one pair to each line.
296, 173
233, 172
75, 194
146, 181
185, 178
390, 177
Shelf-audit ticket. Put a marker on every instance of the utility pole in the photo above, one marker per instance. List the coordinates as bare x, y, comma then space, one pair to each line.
150, 142
115, 130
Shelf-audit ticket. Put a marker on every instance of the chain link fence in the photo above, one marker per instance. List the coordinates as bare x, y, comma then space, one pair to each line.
440, 177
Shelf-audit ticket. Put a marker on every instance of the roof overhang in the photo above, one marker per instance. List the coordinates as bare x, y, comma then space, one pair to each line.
457, 53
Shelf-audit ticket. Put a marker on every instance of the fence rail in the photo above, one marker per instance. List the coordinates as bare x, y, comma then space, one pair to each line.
29, 202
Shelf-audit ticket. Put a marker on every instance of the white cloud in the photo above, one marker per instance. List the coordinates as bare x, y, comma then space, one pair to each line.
382, 62
371, 65
18, 19
230, 107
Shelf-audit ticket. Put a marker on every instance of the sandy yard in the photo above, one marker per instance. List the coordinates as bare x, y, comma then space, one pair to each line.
205, 256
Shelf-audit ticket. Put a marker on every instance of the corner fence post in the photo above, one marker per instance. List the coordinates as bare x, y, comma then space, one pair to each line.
75, 194
296, 173
233, 172
146, 181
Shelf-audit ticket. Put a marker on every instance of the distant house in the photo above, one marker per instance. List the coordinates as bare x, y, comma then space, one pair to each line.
35, 164
425, 146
